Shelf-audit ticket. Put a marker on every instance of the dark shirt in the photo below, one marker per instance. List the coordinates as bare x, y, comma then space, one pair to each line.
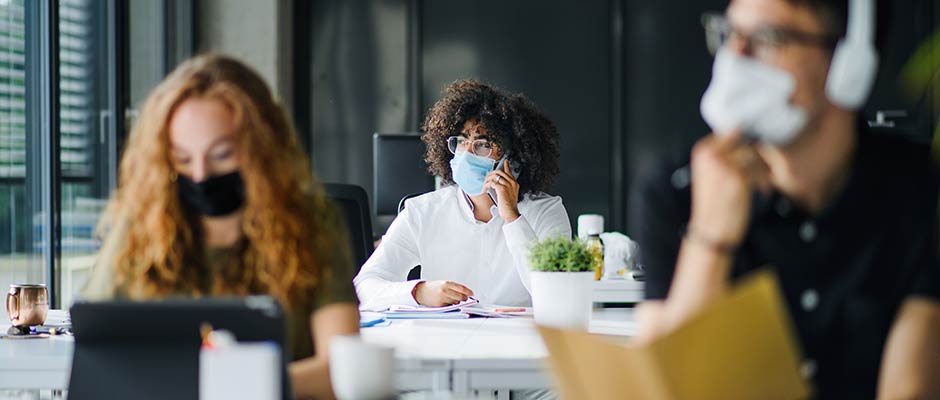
844, 272
336, 287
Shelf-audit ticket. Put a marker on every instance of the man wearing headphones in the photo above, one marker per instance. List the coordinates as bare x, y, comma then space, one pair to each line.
790, 180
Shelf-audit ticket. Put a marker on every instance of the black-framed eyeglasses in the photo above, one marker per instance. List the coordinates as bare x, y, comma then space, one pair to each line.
480, 147
761, 42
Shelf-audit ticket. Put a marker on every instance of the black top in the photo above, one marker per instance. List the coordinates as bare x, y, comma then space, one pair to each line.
844, 273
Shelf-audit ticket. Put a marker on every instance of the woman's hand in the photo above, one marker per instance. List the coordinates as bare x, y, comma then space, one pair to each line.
440, 293
507, 192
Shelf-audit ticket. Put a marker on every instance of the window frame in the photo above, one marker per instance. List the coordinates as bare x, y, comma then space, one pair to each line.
44, 178
42, 130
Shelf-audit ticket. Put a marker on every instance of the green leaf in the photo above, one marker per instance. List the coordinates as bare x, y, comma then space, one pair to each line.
560, 254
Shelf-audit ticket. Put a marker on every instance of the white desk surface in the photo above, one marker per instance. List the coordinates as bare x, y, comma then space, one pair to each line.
35, 363
432, 354
487, 338
479, 353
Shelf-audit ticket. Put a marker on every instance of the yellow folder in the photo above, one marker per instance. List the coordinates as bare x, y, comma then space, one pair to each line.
741, 346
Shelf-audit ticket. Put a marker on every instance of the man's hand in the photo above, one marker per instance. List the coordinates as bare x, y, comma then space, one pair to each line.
725, 172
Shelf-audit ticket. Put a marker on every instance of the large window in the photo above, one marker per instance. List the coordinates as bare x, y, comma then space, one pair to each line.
67, 93
85, 145
19, 175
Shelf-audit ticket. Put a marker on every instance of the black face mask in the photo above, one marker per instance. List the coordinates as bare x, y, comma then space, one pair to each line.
216, 196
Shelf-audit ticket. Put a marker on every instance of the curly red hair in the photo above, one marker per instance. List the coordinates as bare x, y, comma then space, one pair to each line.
287, 221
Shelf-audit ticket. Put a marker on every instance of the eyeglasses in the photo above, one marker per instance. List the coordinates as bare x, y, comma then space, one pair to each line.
762, 42
481, 147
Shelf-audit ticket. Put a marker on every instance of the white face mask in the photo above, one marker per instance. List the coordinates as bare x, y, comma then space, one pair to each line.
751, 96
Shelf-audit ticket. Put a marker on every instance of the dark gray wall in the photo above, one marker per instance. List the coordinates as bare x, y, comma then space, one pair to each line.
911, 21
556, 53
666, 69
621, 79
357, 74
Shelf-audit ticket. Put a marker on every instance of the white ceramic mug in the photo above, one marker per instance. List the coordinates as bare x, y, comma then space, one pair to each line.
361, 371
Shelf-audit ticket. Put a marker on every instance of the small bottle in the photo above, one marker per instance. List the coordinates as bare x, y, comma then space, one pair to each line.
590, 226
597, 255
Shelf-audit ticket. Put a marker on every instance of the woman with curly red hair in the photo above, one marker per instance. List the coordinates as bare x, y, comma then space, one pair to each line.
215, 197
498, 155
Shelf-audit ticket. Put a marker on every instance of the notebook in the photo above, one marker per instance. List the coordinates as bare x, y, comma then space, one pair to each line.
425, 315
453, 311
742, 346
491, 311
407, 309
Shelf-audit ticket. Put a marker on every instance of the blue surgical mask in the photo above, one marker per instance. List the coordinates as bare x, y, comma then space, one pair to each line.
469, 170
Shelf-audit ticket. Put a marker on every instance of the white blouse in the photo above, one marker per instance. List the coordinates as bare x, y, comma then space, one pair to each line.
437, 231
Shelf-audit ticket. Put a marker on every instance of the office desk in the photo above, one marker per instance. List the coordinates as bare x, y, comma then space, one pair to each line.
36, 364
459, 355
479, 353
618, 291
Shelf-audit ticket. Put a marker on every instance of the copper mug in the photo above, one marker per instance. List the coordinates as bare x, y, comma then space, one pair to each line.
27, 304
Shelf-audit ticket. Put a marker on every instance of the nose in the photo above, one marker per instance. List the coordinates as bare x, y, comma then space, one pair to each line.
200, 170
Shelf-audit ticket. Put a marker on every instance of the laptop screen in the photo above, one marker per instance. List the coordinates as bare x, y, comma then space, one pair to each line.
150, 350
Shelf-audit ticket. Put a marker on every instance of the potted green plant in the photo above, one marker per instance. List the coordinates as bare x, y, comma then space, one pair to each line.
561, 277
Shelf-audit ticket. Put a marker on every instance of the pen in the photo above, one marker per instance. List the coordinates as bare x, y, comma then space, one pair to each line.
374, 322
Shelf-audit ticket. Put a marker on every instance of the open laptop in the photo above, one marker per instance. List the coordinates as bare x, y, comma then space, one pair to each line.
150, 350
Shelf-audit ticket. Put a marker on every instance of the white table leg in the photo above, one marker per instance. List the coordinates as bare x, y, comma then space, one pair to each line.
440, 380
460, 382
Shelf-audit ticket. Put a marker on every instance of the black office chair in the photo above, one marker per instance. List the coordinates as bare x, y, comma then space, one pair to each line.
401, 203
414, 273
399, 169
353, 202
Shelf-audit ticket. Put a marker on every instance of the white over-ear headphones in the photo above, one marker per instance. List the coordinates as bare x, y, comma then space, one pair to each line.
855, 60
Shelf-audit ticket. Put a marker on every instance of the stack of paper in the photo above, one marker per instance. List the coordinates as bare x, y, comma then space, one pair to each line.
480, 310
452, 311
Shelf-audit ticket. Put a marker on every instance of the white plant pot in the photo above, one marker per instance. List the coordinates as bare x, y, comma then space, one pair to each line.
562, 299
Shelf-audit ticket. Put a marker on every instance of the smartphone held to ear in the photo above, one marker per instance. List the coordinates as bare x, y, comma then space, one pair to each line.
514, 168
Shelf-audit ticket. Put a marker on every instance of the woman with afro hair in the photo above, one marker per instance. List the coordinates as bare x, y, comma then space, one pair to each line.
497, 155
